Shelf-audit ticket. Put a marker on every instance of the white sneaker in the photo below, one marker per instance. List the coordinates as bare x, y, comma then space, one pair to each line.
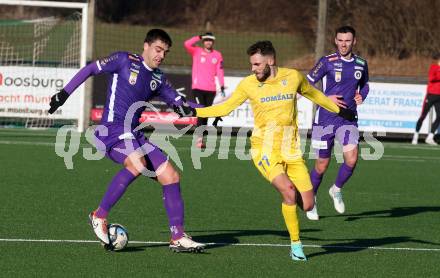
430, 140
186, 244
313, 214
100, 228
337, 199
415, 139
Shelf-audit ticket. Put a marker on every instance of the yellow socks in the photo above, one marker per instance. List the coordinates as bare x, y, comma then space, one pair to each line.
291, 219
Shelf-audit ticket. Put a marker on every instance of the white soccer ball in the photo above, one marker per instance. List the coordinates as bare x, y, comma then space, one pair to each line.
118, 237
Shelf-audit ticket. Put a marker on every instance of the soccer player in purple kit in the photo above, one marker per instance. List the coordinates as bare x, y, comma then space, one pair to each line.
135, 79
345, 81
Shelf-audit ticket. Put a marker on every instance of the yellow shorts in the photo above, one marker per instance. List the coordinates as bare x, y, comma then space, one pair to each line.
272, 165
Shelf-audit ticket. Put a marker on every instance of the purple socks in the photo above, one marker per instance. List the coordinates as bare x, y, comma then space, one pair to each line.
172, 200
344, 174
114, 192
173, 204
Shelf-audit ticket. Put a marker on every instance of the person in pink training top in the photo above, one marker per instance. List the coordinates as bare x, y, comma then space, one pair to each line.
207, 63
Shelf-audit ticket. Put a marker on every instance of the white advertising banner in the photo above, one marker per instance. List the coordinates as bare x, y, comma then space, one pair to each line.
242, 116
392, 107
26, 91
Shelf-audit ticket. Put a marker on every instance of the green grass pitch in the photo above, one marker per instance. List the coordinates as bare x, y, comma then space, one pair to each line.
390, 228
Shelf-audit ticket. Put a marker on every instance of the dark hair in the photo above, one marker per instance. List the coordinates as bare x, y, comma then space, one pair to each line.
436, 56
158, 34
345, 29
265, 48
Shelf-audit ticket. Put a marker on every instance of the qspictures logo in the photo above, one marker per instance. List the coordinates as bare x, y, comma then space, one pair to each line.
32, 81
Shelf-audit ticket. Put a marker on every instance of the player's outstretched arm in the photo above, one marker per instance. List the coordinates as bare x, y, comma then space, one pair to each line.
236, 99
60, 98
187, 109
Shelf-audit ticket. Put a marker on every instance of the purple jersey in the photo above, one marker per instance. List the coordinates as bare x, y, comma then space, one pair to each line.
132, 81
340, 77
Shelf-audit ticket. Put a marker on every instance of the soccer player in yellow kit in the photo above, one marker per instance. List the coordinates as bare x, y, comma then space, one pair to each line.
275, 142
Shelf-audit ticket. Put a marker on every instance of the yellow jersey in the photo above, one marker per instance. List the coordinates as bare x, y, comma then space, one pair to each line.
274, 105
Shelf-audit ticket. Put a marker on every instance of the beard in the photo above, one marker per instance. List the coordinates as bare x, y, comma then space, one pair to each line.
266, 74
345, 52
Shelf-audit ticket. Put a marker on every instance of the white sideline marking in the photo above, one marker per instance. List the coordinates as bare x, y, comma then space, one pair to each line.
408, 158
4, 142
228, 244
412, 158
36, 143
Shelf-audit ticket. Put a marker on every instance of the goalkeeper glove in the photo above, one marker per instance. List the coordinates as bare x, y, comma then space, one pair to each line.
347, 114
57, 100
184, 110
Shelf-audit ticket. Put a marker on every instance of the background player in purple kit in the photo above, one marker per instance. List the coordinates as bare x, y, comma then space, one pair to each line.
134, 80
345, 80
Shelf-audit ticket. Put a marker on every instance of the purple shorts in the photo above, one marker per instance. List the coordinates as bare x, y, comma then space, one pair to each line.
323, 137
118, 144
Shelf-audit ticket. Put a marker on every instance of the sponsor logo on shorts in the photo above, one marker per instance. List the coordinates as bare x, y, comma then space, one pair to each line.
319, 145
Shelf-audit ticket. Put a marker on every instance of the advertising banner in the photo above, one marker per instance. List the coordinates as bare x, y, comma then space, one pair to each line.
151, 117
25, 92
392, 107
